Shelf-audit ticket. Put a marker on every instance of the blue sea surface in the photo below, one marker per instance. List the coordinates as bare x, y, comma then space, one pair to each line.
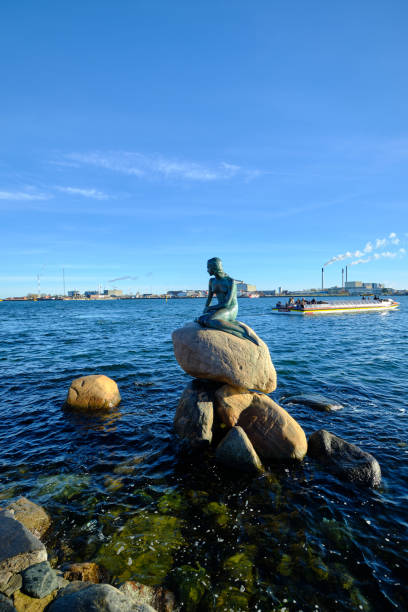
306, 539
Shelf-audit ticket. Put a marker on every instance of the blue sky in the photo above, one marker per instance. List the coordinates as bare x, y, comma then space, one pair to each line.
140, 138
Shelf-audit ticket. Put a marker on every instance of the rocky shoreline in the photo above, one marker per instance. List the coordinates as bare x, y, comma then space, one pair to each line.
224, 410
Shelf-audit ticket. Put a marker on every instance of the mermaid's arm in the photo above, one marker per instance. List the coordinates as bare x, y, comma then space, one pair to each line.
210, 296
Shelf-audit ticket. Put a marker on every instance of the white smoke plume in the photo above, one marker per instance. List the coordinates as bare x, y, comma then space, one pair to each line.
379, 243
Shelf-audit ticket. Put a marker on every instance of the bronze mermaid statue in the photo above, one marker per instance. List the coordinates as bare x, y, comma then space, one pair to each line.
222, 316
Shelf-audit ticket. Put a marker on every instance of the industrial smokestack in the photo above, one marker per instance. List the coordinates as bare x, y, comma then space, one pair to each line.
346, 273
342, 278
322, 279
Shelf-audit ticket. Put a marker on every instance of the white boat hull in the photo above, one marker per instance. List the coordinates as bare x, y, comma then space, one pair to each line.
337, 308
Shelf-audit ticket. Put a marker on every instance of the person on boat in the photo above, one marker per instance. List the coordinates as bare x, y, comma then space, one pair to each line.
222, 316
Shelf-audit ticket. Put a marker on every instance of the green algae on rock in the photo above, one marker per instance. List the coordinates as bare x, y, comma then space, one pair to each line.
60, 486
191, 584
143, 548
172, 502
218, 512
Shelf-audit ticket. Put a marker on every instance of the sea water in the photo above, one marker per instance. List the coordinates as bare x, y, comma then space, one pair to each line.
121, 492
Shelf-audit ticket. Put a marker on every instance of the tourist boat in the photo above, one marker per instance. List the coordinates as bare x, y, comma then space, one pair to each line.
335, 307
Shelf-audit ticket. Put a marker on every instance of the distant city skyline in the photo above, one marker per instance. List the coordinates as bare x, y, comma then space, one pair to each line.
139, 140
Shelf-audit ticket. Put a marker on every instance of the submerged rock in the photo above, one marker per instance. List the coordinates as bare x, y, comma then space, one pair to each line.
143, 549
230, 402
82, 596
32, 516
39, 580
93, 392
191, 584
273, 432
158, 598
344, 458
19, 547
85, 572
195, 415
236, 451
315, 401
217, 355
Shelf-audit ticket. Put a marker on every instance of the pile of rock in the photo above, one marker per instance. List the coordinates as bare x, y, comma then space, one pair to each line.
29, 584
228, 372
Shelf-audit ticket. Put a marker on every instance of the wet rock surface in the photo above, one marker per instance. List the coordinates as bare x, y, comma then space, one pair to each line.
6, 605
93, 392
315, 401
195, 414
20, 548
89, 597
31, 515
85, 572
345, 459
236, 451
217, 355
158, 598
10, 583
39, 580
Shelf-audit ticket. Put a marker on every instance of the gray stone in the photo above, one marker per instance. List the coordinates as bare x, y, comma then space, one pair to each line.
315, 401
20, 548
195, 414
12, 585
236, 451
345, 459
39, 580
215, 355
155, 597
89, 597
6, 605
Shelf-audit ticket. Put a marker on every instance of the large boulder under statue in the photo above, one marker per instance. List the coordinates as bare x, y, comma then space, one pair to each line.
216, 355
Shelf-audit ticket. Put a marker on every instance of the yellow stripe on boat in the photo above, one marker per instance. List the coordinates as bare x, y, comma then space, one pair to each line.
337, 308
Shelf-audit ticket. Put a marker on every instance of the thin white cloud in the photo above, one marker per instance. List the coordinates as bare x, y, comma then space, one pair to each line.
23, 196
86, 193
379, 243
158, 166
376, 256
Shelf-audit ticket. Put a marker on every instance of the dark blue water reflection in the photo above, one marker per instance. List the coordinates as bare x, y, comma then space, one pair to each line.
314, 541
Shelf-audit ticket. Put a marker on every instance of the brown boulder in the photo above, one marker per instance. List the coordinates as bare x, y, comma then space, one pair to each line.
85, 572
273, 432
31, 515
93, 392
230, 402
216, 355
236, 452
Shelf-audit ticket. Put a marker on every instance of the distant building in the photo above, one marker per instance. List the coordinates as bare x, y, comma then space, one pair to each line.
74, 293
113, 292
241, 286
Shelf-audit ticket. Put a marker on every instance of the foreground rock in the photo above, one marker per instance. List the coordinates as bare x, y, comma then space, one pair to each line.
39, 580
85, 572
273, 433
230, 402
19, 547
32, 516
85, 596
6, 605
195, 414
345, 459
217, 355
157, 597
315, 401
236, 451
93, 392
